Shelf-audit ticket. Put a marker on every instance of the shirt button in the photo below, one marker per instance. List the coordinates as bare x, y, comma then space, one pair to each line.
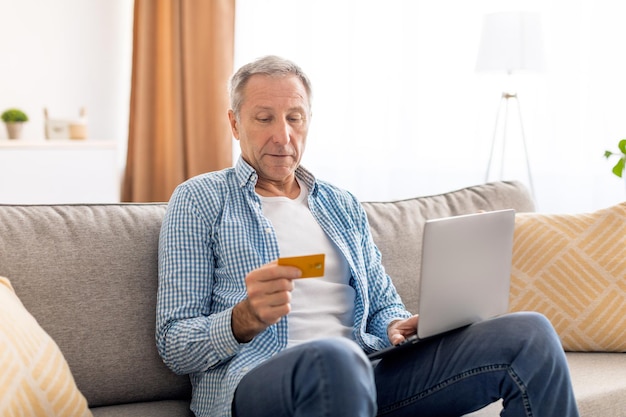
268, 230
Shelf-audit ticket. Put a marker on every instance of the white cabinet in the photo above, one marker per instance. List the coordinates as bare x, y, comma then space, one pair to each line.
59, 171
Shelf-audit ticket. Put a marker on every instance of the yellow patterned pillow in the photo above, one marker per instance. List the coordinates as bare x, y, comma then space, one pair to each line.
572, 268
35, 379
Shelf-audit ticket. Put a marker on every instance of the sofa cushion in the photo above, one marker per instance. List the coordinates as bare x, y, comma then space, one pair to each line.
572, 268
599, 383
88, 274
35, 378
170, 408
397, 226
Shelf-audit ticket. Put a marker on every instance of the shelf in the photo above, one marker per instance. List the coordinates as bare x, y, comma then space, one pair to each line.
40, 171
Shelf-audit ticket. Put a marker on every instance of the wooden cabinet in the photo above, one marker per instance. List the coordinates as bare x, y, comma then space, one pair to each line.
59, 171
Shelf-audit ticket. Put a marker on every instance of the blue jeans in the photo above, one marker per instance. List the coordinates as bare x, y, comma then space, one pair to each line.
516, 357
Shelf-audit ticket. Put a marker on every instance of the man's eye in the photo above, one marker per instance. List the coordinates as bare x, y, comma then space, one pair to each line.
263, 119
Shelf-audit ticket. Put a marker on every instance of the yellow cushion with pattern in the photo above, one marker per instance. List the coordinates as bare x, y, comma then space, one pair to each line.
35, 379
572, 268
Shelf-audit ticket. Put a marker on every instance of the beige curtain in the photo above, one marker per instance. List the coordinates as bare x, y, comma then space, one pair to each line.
182, 59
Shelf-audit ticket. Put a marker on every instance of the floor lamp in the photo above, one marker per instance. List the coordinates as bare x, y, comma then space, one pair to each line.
508, 99
510, 42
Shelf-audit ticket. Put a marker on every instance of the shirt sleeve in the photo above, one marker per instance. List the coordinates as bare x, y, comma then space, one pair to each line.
189, 338
385, 304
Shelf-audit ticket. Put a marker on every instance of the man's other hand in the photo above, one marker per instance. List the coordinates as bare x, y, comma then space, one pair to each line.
399, 330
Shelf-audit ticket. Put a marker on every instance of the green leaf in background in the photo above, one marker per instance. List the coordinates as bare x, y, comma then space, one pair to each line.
618, 169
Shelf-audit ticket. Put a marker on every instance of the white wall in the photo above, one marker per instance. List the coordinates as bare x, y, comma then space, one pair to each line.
399, 110
66, 54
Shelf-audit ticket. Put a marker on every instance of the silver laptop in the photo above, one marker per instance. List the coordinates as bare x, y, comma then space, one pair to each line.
465, 272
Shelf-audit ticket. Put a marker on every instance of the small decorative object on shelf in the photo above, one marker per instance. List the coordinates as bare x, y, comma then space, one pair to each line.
14, 120
66, 128
618, 169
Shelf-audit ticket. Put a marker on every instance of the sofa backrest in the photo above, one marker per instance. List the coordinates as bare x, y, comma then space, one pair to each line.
88, 274
397, 226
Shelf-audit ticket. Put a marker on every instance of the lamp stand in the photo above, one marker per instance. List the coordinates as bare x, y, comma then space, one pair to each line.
506, 99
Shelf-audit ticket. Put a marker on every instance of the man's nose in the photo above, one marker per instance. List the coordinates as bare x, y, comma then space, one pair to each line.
282, 133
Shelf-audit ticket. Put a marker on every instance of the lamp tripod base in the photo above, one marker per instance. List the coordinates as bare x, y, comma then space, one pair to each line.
500, 141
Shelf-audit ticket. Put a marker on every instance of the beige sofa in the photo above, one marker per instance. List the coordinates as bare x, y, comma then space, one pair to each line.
88, 274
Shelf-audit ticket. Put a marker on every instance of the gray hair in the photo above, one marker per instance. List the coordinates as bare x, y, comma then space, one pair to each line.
270, 65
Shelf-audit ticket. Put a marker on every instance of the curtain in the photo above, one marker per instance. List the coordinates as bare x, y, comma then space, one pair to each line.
178, 126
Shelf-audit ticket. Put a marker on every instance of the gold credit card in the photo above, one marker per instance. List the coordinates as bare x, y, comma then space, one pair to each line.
311, 265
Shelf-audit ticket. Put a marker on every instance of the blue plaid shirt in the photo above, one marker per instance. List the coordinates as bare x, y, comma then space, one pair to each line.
213, 234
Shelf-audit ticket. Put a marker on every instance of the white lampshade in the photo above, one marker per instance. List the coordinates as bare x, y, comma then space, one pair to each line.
511, 41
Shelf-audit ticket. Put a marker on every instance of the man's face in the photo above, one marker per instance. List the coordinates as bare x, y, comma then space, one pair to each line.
273, 126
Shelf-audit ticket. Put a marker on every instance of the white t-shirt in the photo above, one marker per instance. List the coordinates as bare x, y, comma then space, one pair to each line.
320, 307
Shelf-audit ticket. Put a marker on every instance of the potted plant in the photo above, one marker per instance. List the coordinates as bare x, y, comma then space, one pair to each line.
618, 169
14, 119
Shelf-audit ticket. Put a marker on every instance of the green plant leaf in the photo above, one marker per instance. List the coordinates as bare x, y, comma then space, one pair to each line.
14, 115
618, 169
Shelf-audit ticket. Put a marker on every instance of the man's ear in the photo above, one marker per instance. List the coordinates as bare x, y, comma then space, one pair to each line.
233, 124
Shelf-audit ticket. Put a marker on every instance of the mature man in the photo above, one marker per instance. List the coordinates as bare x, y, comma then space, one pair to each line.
258, 341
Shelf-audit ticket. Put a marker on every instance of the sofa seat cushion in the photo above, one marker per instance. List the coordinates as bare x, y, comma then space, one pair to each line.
35, 379
599, 383
169, 408
572, 268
